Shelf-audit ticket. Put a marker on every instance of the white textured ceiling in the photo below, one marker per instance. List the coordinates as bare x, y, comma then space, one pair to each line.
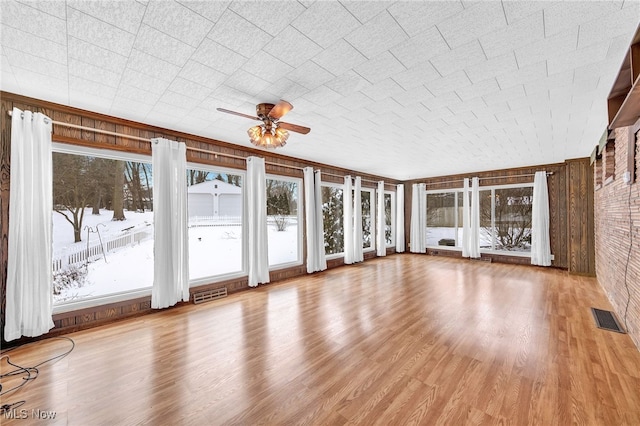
400, 89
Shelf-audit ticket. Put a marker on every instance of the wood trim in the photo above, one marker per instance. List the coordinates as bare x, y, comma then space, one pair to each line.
78, 116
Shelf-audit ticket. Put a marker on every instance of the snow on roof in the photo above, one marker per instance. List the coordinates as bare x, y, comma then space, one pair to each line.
214, 187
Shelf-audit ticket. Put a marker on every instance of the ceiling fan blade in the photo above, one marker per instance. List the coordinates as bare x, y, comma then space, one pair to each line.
294, 127
238, 113
280, 109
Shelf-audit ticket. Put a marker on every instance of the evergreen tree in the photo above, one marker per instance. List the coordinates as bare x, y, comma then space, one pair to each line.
332, 213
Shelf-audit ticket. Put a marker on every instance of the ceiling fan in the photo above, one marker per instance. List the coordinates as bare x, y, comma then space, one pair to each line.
272, 133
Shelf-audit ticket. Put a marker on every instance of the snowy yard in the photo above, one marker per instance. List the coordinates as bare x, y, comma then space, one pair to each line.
213, 250
434, 235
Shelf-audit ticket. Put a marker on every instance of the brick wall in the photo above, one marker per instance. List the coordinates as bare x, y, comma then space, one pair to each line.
617, 223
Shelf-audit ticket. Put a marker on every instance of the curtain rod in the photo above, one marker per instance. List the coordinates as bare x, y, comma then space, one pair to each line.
205, 151
487, 178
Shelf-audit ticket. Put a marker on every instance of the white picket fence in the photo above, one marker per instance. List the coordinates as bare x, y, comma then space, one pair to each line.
82, 255
195, 221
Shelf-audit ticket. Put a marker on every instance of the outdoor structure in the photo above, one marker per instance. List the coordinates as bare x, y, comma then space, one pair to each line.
214, 198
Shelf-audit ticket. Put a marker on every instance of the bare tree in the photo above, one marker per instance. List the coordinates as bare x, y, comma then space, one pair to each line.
72, 189
512, 218
118, 191
196, 176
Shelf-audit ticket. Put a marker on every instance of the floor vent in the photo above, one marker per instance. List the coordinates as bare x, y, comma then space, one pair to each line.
207, 295
606, 320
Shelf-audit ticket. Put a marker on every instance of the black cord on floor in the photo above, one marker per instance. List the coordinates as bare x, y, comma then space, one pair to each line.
30, 373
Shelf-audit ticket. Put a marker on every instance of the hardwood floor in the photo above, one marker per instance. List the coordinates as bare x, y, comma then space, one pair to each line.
407, 339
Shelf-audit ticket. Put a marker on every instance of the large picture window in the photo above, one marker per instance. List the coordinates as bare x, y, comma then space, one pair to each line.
443, 220
283, 199
389, 218
366, 197
332, 216
512, 213
102, 225
505, 218
214, 208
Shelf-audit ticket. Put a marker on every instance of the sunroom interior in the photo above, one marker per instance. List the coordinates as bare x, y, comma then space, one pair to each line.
434, 129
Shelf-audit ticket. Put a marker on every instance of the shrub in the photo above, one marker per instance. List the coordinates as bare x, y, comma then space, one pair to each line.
72, 277
281, 222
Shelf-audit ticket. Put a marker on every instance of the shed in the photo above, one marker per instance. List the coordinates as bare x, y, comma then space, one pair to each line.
214, 198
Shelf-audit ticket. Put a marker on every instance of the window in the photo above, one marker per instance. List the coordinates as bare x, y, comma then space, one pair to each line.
284, 234
512, 213
609, 161
442, 219
487, 229
102, 224
214, 207
368, 243
505, 218
389, 218
332, 214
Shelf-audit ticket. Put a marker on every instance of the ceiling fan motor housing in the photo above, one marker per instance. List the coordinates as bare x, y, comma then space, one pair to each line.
263, 110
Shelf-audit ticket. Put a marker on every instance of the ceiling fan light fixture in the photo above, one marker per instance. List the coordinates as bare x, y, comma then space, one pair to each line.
263, 137
282, 133
269, 134
255, 132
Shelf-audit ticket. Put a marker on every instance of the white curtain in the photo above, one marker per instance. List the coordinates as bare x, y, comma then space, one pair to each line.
358, 254
474, 235
418, 218
540, 243
466, 219
400, 218
256, 214
29, 295
316, 260
381, 241
171, 238
347, 220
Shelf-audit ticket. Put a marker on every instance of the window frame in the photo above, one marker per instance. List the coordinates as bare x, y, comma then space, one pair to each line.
491, 188
393, 218
341, 187
299, 217
372, 213
456, 216
244, 262
120, 296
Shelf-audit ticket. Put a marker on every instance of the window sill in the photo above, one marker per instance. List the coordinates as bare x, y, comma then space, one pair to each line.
99, 301
334, 256
491, 252
284, 265
216, 278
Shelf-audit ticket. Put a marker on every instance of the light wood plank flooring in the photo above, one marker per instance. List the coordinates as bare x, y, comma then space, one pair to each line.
407, 339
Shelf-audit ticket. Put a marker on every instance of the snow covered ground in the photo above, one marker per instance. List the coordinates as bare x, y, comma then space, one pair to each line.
213, 250
434, 235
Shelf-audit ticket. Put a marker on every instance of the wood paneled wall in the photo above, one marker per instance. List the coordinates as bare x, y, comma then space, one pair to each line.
281, 165
570, 210
580, 218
